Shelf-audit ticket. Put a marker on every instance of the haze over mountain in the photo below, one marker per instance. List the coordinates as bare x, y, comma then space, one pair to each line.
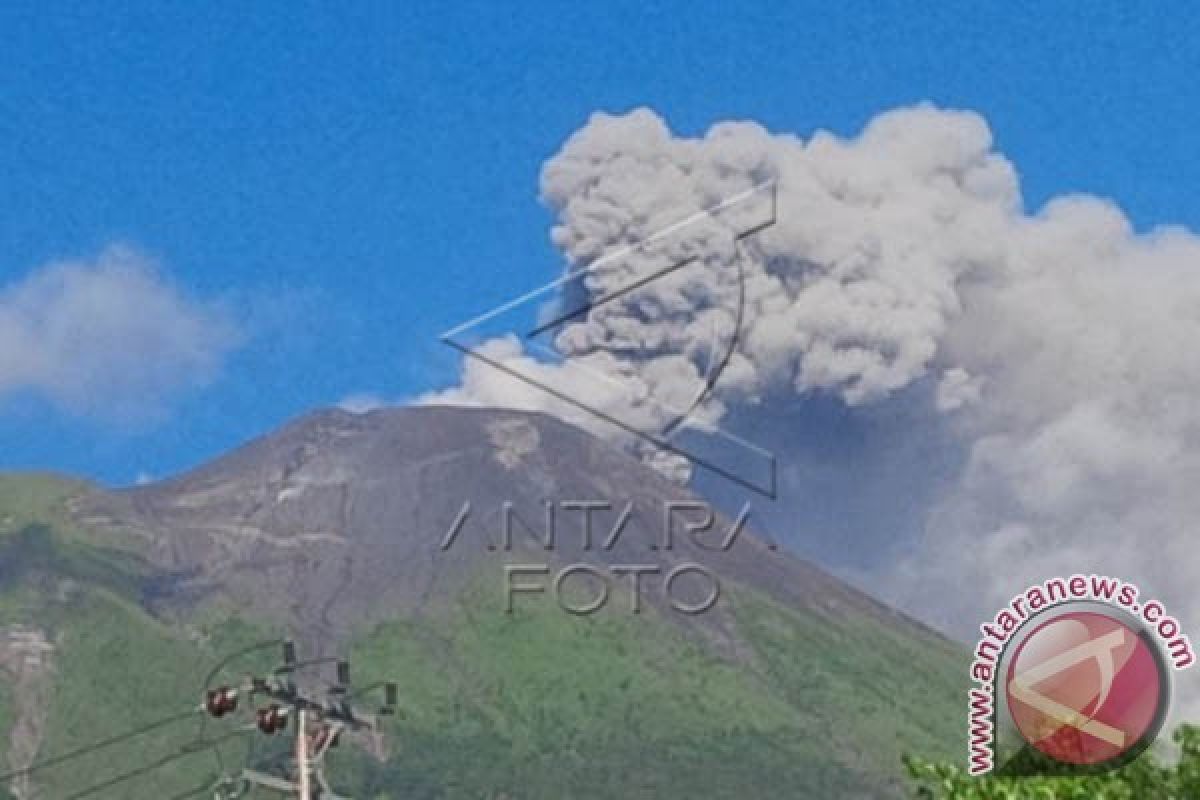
334, 530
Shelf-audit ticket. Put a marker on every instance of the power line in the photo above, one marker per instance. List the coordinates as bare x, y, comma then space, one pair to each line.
245, 651
96, 746
187, 752
199, 790
330, 714
288, 648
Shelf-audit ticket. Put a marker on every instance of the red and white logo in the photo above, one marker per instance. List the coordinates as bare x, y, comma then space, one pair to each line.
1085, 688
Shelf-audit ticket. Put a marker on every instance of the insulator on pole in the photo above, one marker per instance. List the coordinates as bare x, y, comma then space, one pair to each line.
391, 697
212, 703
221, 701
272, 719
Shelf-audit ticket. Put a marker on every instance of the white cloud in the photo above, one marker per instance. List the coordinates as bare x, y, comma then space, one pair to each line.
110, 337
483, 384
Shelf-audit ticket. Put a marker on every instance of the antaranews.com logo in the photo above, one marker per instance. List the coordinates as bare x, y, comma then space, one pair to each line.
1074, 673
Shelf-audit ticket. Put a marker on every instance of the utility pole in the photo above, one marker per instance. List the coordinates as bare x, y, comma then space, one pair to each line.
319, 717
327, 713
302, 754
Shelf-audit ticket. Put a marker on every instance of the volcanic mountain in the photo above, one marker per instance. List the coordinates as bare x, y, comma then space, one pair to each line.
397, 537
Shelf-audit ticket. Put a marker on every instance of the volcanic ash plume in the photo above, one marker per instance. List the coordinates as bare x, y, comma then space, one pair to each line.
1056, 347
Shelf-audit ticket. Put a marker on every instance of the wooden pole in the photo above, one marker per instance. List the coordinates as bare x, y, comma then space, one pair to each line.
302, 756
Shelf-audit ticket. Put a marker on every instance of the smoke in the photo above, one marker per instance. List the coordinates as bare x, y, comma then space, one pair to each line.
1050, 356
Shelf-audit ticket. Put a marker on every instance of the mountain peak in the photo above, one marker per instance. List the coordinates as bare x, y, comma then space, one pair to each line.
355, 510
386, 535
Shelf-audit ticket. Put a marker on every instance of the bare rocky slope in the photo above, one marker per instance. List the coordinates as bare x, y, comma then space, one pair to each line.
340, 520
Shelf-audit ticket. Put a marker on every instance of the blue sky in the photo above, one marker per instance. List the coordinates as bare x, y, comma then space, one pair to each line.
350, 183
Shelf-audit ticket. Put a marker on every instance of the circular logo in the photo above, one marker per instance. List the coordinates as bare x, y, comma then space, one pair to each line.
1085, 688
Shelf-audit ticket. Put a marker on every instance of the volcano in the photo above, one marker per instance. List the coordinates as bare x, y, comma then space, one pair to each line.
563, 621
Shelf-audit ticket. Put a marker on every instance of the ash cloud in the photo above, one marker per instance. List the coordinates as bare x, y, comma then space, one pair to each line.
1051, 353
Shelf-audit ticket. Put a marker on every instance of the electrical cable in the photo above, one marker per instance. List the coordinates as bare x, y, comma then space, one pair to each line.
216, 670
187, 752
199, 790
254, 648
197, 746
95, 746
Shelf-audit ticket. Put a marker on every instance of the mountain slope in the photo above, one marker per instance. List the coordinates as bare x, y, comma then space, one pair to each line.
332, 530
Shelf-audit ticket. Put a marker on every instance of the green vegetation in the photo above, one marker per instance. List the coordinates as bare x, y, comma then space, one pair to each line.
875, 690
119, 669
537, 704
541, 704
114, 668
1149, 777
7, 718
29, 498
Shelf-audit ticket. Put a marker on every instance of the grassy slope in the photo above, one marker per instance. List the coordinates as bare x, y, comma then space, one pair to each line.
116, 668
6, 719
545, 705
119, 669
536, 705
27, 498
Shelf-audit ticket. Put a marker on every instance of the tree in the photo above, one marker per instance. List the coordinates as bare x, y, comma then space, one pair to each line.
1146, 778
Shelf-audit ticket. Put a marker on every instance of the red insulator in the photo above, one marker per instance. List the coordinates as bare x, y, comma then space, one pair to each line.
265, 717
272, 719
214, 703
221, 701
